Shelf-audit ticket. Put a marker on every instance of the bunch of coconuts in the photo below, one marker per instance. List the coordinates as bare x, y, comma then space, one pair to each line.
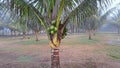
53, 29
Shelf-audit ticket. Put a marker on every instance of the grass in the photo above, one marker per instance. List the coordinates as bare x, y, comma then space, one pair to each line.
33, 42
87, 41
114, 56
113, 51
7, 49
67, 41
30, 50
25, 59
79, 40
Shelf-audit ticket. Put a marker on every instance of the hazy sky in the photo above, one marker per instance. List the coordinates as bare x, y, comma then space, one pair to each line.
116, 2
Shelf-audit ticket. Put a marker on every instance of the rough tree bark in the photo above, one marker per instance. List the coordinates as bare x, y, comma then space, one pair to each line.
55, 60
24, 35
90, 34
36, 35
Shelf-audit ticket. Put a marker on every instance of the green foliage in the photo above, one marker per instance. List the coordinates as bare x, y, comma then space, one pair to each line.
83, 40
56, 11
24, 59
33, 42
54, 22
114, 56
90, 23
113, 51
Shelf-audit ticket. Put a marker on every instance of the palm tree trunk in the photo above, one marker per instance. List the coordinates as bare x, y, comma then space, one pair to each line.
90, 34
11, 33
94, 32
14, 33
24, 35
55, 60
36, 35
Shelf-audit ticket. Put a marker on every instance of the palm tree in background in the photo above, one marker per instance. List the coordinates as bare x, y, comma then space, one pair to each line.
116, 20
90, 24
54, 15
35, 27
112, 16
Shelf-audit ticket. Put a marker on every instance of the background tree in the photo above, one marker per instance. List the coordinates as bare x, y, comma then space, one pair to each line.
34, 26
116, 20
90, 24
113, 16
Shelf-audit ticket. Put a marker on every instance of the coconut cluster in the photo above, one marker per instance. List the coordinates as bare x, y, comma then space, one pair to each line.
52, 29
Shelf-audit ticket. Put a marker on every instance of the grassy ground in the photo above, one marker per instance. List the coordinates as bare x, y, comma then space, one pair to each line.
76, 51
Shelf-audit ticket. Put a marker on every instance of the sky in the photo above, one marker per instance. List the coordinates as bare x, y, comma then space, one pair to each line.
115, 2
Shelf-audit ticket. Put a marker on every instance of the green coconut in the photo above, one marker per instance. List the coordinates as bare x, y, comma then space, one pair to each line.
52, 27
52, 32
55, 28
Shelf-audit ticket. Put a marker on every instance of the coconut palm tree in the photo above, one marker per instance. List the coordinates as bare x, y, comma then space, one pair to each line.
90, 24
116, 19
34, 26
54, 15
113, 15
